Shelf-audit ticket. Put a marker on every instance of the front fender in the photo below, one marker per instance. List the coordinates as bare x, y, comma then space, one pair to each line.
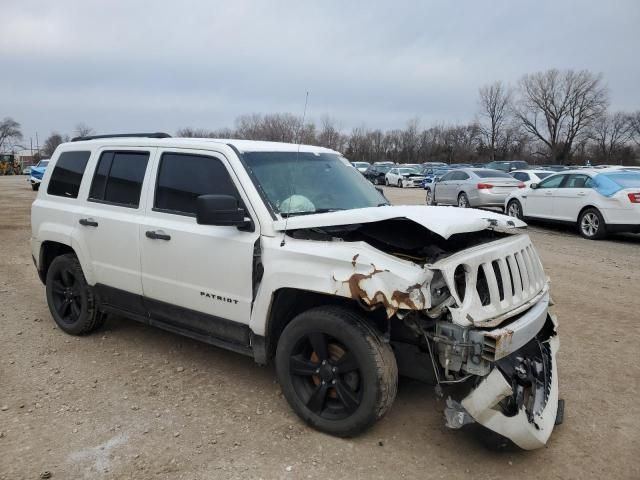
352, 270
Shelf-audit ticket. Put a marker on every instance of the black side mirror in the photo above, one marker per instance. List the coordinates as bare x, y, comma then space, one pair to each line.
533, 186
220, 210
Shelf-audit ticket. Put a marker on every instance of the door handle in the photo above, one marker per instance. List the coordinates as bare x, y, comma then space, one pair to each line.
157, 235
548, 194
88, 222
581, 194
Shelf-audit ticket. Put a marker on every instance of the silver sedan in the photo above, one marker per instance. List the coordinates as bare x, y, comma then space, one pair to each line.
473, 187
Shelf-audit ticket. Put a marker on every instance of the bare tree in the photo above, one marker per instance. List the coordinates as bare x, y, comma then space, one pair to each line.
10, 133
556, 107
51, 143
495, 100
634, 124
610, 133
83, 130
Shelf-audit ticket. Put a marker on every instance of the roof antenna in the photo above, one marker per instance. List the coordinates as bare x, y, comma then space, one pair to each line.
300, 130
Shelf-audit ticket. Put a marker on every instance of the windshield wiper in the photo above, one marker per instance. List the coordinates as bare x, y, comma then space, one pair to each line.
319, 210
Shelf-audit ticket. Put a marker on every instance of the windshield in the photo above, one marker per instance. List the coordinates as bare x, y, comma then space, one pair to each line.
305, 183
492, 174
407, 171
43, 163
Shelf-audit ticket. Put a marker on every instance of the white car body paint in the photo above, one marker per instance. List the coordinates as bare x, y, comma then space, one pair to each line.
208, 269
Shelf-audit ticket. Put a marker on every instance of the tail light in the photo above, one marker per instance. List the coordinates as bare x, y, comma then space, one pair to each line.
484, 186
634, 197
521, 185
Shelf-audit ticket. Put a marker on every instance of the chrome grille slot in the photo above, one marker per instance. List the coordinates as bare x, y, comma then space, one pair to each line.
501, 279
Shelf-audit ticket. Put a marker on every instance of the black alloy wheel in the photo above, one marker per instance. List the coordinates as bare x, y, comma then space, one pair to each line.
336, 371
71, 300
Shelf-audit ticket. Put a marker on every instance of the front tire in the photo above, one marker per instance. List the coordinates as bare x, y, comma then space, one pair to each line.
430, 199
71, 300
591, 224
335, 370
514, 209
35, 186
400, 185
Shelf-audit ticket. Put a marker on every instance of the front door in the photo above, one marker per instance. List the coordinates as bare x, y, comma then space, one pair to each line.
195, 276
540, 200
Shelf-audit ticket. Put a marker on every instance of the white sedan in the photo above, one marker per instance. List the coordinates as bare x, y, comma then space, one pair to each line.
531, 176
598, 201
404, 177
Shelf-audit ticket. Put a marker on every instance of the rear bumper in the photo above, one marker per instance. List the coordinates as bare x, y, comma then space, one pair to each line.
34, 180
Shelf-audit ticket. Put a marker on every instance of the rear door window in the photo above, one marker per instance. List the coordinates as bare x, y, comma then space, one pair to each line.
67, 174
118, 178
182, 178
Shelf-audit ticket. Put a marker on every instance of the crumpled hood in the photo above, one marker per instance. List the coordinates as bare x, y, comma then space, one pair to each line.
444, 221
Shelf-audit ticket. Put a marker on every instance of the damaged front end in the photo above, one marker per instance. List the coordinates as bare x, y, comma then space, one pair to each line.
477, 318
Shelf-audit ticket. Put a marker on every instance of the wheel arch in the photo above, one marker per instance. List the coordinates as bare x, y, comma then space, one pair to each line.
587, 207
49, 250
287, 303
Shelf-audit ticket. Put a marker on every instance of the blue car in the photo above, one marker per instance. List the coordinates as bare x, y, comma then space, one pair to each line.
37, 173
432, 173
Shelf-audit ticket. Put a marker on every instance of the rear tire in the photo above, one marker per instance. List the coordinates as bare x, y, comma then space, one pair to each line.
463, 200
71, 300
591, 224
335, 370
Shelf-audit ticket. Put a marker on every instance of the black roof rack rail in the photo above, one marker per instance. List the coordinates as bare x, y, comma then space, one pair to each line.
123, 135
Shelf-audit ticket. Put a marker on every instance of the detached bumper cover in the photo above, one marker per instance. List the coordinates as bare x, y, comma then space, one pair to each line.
519, 398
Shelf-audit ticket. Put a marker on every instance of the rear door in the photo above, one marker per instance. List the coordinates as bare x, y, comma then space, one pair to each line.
572, 196
109, 223
541, 199
196, 277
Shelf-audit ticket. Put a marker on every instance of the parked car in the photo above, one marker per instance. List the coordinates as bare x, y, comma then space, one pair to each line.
507, 166
554, 168
434, 165
460, 165
288, 255
36, 174
361, 166
432, 175
26, 171
376, 172
404, 177
473, 187
597, 201
386, 162
530, 176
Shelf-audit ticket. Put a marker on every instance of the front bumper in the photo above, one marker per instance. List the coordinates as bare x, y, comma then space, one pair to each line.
34, 180
519, 397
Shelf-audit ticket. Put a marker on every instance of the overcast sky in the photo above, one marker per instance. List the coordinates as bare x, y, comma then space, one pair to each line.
147, 66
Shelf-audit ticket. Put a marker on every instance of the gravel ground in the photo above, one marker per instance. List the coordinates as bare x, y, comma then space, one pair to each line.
135, 402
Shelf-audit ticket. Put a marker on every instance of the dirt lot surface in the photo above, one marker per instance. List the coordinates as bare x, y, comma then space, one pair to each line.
135, 402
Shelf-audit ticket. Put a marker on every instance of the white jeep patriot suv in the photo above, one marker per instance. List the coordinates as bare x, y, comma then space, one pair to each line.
286, 253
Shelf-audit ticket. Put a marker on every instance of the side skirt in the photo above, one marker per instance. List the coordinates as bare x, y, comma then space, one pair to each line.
209, 329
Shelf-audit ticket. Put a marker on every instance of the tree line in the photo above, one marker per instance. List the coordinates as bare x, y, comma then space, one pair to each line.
550, 117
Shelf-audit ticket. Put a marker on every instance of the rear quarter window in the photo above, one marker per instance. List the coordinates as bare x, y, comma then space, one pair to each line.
67, 174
